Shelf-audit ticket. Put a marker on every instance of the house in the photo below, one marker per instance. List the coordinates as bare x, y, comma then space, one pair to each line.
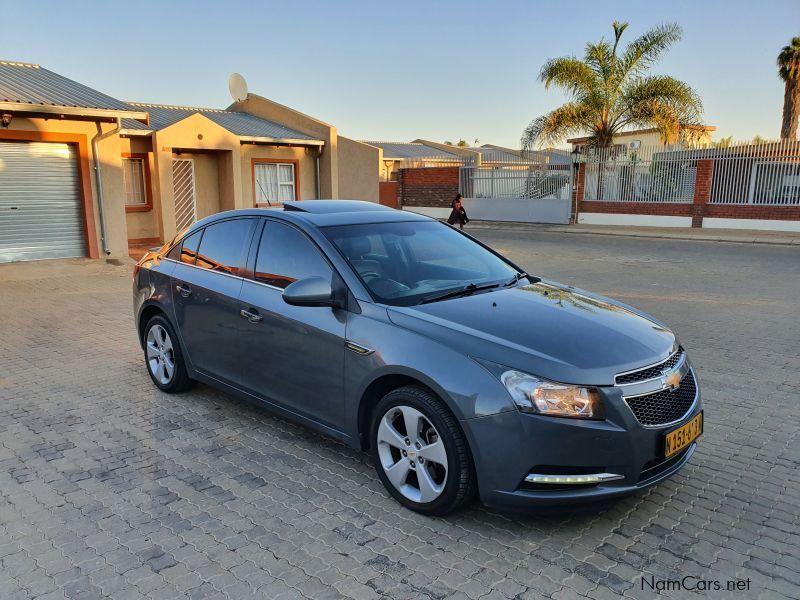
646, 141
394, 156
85, 174
426, 153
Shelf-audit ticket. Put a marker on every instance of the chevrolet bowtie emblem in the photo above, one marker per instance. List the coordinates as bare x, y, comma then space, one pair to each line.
671, 379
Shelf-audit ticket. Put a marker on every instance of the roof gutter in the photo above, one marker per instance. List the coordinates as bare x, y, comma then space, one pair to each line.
98, 177
73, 111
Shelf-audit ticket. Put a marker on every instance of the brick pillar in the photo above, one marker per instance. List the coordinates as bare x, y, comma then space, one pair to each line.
401, 188
702, 190
577, 193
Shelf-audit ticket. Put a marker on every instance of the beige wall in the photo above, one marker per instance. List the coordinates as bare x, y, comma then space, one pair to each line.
328, 164
143, 225
206, 182
111, 166
306, 168
194, 133
358, 172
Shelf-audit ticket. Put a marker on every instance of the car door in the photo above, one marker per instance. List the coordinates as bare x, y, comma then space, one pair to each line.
292, 355
205, 291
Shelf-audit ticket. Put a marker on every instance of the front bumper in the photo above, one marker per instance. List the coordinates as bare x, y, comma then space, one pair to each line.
509, 446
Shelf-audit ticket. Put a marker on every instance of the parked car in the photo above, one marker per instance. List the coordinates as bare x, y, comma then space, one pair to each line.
396, 333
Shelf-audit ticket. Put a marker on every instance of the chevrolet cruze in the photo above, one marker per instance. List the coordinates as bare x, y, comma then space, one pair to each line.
393, 332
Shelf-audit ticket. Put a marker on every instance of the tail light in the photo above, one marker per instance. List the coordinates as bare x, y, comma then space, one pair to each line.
136, 268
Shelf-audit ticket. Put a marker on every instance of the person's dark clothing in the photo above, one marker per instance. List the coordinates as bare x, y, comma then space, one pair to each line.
459, 216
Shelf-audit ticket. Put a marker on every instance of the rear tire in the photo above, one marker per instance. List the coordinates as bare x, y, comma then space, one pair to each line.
163, 356
420, 453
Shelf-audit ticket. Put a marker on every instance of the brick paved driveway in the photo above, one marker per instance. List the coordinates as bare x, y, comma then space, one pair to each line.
109, 488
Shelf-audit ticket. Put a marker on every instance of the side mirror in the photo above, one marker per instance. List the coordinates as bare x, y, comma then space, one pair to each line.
312, 291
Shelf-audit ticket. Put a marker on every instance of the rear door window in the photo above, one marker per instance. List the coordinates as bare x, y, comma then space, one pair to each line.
223, 244
286, 255
189, 248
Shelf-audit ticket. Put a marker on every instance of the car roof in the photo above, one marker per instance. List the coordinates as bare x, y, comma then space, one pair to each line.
323, 213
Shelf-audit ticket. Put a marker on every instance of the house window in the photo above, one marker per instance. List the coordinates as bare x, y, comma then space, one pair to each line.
133, 177
274, 182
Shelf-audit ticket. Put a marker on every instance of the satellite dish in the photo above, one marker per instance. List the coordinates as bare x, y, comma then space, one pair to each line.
238, 87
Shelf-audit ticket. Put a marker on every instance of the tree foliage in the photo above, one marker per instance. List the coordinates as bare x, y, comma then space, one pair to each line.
789, 71
610, 90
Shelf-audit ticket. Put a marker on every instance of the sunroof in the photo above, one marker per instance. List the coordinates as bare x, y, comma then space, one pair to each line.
321, 207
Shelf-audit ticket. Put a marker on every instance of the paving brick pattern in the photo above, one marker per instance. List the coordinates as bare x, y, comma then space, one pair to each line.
111, 489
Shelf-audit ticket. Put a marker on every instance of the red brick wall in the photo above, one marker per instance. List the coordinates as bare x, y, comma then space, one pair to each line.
637, 208
702, 190
389, 193
435, 186
699, 209
752, 211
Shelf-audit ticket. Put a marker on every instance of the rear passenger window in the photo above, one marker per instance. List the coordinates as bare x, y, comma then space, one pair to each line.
189, 248
222, 246
286, 255
175, 252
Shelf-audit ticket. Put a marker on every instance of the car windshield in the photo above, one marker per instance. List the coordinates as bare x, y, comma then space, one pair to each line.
410, 262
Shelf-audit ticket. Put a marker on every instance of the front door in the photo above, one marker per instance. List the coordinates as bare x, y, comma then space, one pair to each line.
205, 290
292, 355
184, 192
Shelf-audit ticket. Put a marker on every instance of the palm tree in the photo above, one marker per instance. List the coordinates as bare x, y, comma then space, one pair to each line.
789, 71
611, 91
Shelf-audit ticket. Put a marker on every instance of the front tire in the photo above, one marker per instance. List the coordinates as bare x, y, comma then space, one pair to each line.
163, 356
420, 453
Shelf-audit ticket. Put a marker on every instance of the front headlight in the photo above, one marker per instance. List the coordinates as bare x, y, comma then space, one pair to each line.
539, 396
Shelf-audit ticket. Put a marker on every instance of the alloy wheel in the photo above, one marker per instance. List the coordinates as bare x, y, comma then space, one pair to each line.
160, 354
412, 454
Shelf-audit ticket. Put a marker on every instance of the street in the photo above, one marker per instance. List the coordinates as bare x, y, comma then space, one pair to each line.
110, 488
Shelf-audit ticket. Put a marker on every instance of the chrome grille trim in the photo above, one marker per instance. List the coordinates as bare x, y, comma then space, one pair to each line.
650, 372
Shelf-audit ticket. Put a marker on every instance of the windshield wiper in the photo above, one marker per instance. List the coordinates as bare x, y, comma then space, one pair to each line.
465, 291
521, 275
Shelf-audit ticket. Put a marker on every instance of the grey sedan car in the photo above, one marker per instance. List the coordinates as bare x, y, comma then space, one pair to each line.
396, 333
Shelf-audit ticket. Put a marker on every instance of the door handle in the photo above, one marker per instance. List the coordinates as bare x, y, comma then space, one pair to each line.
253, 317
183, 291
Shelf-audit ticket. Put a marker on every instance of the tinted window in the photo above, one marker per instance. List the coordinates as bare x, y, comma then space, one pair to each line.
403, 263
222, 246
286, 255
175, 252
189, 247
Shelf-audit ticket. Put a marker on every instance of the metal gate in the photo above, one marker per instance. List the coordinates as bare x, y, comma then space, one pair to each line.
184, 192
41, 213
531, 193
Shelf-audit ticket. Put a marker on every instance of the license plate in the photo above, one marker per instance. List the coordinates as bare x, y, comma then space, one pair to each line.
678, 439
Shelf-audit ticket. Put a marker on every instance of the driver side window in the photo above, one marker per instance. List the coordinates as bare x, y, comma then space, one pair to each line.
286, 255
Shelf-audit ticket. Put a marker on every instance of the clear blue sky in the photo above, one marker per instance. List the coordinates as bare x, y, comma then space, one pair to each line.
404, 69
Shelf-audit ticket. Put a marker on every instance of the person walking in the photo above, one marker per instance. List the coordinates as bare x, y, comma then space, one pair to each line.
458, 214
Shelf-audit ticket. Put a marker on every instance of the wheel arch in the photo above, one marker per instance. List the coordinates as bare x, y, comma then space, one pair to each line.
148, 311
386, 382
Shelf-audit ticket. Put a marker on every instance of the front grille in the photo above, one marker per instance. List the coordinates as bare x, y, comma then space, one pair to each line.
650, 372
665, 406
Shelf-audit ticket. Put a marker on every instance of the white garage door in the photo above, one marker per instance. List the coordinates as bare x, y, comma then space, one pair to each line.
41, 213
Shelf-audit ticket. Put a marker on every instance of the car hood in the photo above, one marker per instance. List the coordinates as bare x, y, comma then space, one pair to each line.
548, 329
